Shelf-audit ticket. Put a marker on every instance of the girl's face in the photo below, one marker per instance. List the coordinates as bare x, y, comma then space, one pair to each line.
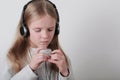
41, 31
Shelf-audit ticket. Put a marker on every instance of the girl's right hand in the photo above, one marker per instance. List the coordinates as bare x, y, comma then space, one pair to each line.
37, 59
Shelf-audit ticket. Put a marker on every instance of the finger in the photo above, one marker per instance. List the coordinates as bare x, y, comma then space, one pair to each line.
57, 52
53, 61
42, 57
57, 57
45, 55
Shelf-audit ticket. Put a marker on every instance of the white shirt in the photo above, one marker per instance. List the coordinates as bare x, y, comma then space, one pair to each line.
43, 73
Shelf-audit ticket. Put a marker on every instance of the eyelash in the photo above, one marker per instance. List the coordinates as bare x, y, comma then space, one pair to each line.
38, 30
47, 29
50, 30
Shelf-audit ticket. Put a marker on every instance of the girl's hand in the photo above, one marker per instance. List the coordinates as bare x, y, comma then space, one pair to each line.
58, 58
37, 59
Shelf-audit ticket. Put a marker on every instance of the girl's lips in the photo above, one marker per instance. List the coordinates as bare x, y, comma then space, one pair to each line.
44, 43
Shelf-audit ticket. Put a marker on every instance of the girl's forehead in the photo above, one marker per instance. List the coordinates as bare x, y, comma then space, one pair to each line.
45, 20
42, 18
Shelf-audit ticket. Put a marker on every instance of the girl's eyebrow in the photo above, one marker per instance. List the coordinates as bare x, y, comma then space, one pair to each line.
41, 27
51, 27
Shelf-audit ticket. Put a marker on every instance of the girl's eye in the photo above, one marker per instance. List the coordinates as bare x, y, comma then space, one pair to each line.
37, 30
50, 29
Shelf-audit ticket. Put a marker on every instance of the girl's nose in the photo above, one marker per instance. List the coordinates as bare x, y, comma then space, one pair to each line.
44, 34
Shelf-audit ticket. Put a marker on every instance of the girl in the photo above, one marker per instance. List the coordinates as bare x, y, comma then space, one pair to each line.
38, 30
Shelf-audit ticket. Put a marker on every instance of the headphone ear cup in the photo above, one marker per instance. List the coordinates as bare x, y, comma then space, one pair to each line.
24, 31
57, 30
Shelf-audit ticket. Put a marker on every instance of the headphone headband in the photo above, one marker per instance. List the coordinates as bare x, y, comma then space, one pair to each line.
24, 31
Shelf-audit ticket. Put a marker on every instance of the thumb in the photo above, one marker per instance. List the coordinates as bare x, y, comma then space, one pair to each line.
37, 50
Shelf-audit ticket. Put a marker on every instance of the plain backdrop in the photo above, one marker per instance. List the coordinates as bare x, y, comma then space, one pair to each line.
89, 34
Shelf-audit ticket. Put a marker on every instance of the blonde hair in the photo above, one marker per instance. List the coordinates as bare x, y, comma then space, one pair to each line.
19, 50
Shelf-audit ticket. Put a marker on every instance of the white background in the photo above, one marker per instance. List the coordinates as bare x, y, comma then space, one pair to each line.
89, 34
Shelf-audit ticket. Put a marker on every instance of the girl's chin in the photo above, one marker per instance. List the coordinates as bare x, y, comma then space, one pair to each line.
42, 46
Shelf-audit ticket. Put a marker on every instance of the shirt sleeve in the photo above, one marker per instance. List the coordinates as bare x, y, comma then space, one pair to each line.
8, 74
25, 74
70, 76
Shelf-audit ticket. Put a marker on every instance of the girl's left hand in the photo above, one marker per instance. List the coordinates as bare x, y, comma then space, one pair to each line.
58, 58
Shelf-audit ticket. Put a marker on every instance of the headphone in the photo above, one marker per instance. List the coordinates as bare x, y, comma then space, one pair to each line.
24, 31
